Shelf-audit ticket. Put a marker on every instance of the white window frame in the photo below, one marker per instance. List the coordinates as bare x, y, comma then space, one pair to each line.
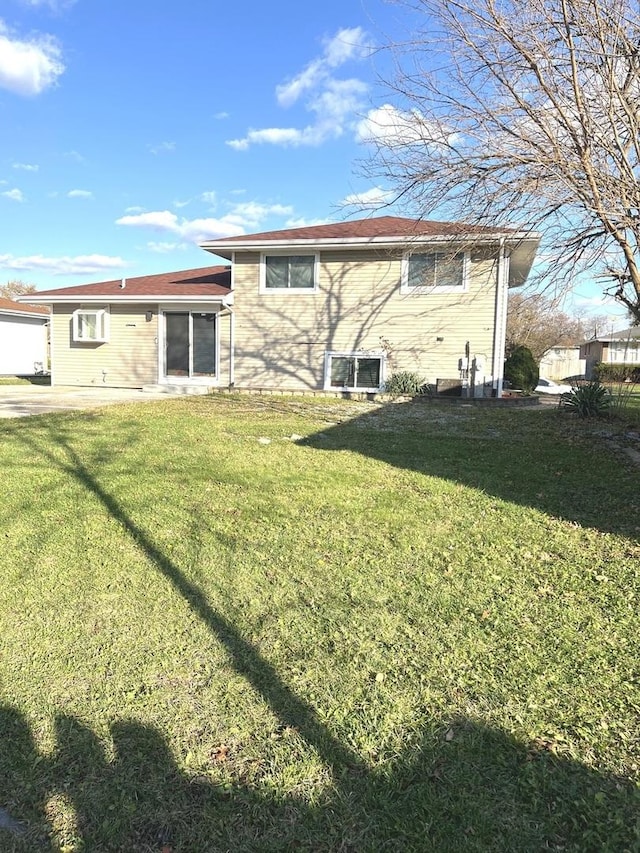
353, 354
405, 287
289, 254
102, 317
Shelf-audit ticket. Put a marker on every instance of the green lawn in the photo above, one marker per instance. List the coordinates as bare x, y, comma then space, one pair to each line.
269, 624
23, 380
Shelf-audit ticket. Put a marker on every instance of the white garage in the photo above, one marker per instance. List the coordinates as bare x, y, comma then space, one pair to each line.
23, 338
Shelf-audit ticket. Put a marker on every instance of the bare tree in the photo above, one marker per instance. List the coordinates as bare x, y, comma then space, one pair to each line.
535, 321
523, 112
16, 288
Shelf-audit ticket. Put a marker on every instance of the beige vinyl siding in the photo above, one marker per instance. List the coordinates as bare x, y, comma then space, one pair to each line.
282, 338
128, 360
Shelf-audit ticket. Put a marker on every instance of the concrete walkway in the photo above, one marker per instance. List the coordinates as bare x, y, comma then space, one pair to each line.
19, 401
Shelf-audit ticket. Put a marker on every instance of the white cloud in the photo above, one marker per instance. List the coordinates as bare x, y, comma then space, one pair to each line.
301, 222
54, 5
249, 214
79, 194
28, 67
163, 248
179, 204
345, 45
78, 265
26, 167
14, 195
390, 127
269, 135
334, 101
163, 148
160, 220
221, 115
197, 230
210, 197
348, 43
189, 230
373, 198
241, 216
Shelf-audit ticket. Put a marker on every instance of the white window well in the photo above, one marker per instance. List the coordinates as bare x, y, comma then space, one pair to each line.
354, 371
287, 273
90, 325
434, 272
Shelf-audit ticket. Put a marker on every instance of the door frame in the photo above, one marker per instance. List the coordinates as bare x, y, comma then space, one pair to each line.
190, 309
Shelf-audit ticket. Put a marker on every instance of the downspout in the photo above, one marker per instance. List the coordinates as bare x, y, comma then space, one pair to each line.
50, 347
232, 336
500, 328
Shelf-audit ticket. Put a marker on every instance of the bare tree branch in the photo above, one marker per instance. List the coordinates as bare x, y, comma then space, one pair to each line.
523, 112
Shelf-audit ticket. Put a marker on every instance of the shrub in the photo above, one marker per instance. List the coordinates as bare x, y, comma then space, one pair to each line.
404, 382
605, 372
521, 370
591, 400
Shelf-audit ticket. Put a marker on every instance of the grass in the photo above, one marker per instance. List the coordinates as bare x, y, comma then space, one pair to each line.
269, 624
25, 380
626, 402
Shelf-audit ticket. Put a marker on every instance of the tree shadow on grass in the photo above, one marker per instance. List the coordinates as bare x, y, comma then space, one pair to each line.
465, 787
549, 469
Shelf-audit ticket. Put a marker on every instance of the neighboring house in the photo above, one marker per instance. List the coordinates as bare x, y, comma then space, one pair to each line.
329, 307
23, 338
615, 348
561, 363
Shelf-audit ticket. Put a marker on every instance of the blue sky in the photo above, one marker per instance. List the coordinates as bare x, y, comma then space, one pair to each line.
134, 129
131, 130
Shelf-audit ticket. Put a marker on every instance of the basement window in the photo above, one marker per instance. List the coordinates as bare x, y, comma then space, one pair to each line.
90, 325
353, 371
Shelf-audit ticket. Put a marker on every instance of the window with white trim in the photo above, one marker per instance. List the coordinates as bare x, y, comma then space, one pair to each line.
90, 325
288, 273
354, 371
434, 272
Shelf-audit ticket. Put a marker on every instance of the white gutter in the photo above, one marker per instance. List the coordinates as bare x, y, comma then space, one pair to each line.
35, 314
141, 299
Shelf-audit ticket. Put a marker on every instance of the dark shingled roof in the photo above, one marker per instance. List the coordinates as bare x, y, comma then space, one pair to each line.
10, 305
207, 281
375, 227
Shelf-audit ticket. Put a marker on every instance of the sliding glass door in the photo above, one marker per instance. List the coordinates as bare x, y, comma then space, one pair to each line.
190, 344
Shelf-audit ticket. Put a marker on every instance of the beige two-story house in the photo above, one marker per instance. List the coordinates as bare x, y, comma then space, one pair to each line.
336, 307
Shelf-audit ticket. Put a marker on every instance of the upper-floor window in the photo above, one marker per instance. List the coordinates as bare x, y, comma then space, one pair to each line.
90, 325
288, 272
434, 272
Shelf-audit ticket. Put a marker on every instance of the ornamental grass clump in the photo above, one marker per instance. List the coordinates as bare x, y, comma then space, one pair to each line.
591, 400
405, 383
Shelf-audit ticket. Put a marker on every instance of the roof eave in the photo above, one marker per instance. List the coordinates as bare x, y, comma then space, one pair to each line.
37, 315
225, 248
223, 299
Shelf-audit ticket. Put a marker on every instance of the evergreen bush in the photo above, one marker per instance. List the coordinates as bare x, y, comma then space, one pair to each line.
521, 370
